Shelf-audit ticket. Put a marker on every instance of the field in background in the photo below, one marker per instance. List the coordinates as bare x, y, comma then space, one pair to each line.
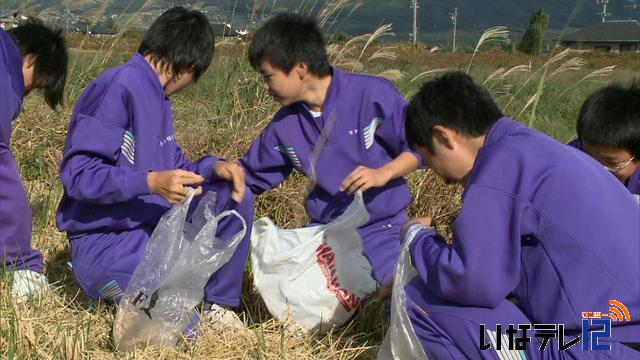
220, 115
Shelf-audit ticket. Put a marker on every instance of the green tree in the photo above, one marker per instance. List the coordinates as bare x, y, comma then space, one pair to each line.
532, 39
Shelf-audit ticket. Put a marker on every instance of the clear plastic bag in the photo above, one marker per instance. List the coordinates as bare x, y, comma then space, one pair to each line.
315, 276
401, 342
169, 281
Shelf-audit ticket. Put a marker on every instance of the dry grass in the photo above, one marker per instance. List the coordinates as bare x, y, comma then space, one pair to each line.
221, 115
63, 326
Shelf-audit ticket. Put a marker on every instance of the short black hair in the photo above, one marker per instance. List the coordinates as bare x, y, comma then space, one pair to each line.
452, 100
179, 40
287, 39
52, 59
611, 117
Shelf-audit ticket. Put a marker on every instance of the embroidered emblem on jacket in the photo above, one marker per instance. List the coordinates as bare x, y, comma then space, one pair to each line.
370, 131
290, 152
128, 147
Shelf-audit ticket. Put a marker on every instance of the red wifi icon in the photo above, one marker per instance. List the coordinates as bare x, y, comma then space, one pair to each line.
618, 312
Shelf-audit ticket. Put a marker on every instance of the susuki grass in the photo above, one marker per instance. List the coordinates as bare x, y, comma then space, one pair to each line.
220, 115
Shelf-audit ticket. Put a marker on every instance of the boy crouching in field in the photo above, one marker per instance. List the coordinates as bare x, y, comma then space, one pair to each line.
32, 56
609, 130
344, 131
562, 247
122, 168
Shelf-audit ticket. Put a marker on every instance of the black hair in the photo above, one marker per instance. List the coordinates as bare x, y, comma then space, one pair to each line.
611, 117
452, 100
288, 39
180, 40
51, 57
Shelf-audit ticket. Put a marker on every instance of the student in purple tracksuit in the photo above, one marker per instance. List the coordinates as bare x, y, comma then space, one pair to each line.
32, 56
122, 168
526, 227
344, 131
609, 130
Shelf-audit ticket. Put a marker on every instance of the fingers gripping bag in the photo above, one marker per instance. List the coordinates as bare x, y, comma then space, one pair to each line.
169, 280
315, 276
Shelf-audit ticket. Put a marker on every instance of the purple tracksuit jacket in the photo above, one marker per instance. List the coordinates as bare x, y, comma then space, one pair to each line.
15, 216
362, 123
633, 183
527, 227
121, 129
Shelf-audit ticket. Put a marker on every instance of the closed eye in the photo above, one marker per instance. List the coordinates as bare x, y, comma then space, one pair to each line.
613, 163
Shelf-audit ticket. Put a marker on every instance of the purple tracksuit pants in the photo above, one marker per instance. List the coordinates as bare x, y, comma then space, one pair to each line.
451, 331
103, 262
381, 245
16, 252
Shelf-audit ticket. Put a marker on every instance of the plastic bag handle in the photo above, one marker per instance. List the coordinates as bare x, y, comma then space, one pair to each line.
228, 213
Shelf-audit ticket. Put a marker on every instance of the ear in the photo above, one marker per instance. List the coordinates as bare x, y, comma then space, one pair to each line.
186, 71
29, 61
301, 69
448, 138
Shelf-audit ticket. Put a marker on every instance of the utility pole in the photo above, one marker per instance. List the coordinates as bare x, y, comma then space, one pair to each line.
66, 16
414, 34
454, 20
604, 12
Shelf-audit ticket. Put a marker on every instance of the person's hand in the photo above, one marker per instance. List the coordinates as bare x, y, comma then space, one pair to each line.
385, 290
364, 178
425, 220
234, 174
170, 184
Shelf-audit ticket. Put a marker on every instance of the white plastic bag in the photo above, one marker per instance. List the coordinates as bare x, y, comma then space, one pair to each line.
315, 276
401, 342
169, 281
